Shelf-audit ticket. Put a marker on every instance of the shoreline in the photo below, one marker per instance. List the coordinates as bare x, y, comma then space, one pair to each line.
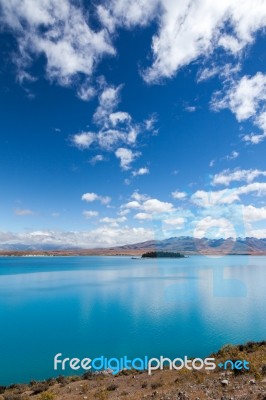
112, 253
162, 384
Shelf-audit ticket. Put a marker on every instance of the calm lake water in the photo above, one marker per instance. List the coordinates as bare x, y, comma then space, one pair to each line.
116, 306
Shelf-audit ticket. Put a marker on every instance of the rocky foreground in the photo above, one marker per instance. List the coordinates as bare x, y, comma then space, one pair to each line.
163, 385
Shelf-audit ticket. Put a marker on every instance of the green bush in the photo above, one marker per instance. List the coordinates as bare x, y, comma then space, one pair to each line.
47, 396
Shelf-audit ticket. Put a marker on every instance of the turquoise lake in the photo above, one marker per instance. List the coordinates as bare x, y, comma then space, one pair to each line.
116, 306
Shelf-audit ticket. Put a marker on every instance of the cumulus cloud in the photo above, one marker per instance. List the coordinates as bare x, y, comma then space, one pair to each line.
139, 196
86, 91
96, 159
196, 28
233, 155
177, 223
126, 157
179, 195
244, 96
114, 129
59, 30
104, 236
143, 216
257, 233
148, 206
246, 99
90, 214
141, 171
225, 71
114, 222
214, 228
204, 198
127, 13
83, 140
108, 101
227, 176
252, 213
90, 197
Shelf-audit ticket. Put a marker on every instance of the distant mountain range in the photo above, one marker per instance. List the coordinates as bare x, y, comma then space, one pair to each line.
183, 244
190, 245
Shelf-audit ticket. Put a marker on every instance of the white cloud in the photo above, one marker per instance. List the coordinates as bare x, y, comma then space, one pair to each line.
225, 71
132, 205
252, 213
184, 33
90, 197
257, 233
105, 236
179, 195
150, 122
141, 171
108, 101
114, 129
147, 205
114, 222
97, 158
83, 140
196, 28
151, 206
246, 98
119, 117
157, 206
260, 122
209, 199
127, 13
143, 216
90, 214
23, 212
227, 176
214, 228
234, 154
86, 91
227, 196
126, 157
190, 109
139, 197
60, 31
176, 222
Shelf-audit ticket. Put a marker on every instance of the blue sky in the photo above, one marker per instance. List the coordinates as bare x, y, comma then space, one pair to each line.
124, 121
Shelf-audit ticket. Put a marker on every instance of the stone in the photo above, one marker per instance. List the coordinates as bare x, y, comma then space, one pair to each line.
225, 382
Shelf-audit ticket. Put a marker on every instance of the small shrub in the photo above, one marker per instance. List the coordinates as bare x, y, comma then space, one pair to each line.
40, 387
61, 379
47, 396
88, 375
112, 387
263, 370
2, 389
156, 385
51, 381
101, 395
12, 397
144, 385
